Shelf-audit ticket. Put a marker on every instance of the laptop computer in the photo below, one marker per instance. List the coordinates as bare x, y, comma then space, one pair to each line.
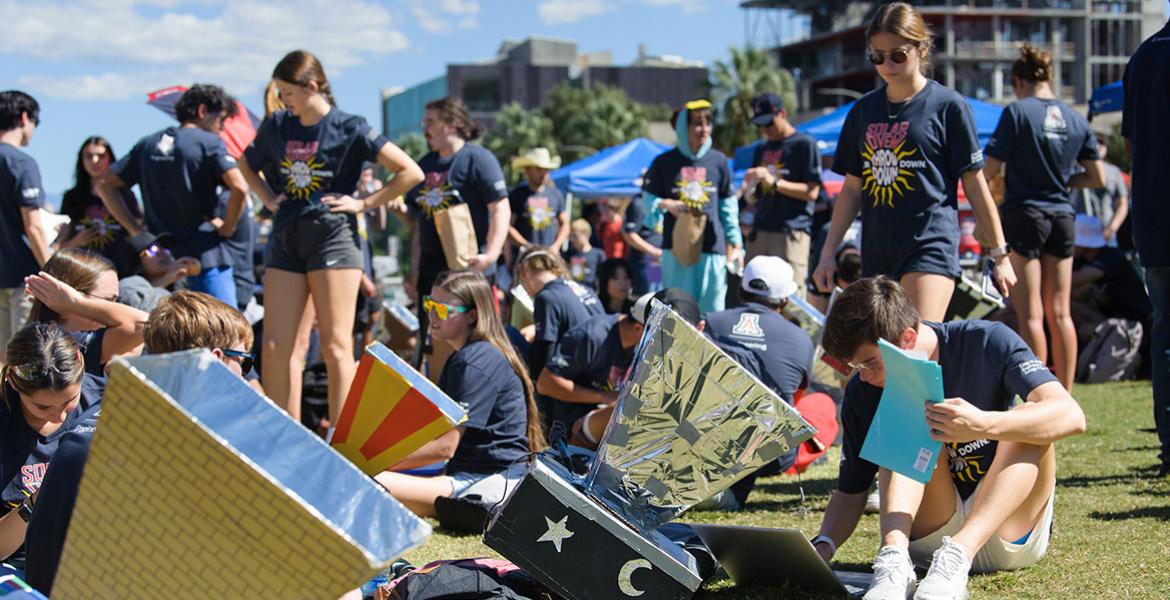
755, 556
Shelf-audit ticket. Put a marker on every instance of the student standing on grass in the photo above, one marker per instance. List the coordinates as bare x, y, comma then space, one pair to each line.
988, 505
903, 150
540, 217
1146, 127
314, 252
91, 225
784, 182
1044, 142
21, 198
177, 171
582, 257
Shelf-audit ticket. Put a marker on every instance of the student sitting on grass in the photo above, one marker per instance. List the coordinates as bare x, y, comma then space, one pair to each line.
988, 505
486, 455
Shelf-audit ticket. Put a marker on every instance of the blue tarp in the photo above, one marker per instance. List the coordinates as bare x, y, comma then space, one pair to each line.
827, 128
614, 171
1107, 98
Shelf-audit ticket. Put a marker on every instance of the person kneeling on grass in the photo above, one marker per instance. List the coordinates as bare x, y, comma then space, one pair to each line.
988, 504
486, 455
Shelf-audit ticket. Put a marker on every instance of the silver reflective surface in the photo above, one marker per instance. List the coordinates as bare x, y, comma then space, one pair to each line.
688, 424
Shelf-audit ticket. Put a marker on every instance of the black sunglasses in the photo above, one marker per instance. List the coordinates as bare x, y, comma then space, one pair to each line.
247, 361
898, 55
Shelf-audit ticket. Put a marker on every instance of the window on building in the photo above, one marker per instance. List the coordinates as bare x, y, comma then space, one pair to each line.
482, 94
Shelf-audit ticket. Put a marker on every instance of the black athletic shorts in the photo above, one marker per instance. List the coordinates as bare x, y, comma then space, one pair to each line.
1031, 230
315, 242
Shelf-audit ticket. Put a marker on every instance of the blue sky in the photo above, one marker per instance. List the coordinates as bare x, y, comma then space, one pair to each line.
90, 63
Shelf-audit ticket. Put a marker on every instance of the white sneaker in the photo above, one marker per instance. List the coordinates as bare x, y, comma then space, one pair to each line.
873, 503
893, 575
947, 577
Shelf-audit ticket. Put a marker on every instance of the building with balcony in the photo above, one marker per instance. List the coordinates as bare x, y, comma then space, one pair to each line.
976, 42
526, 71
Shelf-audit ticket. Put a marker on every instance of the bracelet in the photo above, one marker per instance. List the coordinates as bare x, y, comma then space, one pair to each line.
998, 252
822, 538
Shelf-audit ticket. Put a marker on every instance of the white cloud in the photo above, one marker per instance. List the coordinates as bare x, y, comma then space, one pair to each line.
164, 42
444, 16
687, 6
559, 12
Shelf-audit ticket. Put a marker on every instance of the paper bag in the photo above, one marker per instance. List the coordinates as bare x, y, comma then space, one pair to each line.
687, 237
457, 234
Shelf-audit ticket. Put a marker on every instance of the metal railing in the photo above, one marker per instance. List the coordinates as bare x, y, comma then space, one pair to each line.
1005, 50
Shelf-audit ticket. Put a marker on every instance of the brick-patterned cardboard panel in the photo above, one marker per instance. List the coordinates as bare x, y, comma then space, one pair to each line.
197, 487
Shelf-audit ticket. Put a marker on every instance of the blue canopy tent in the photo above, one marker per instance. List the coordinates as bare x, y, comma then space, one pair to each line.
1107, 98
614, 171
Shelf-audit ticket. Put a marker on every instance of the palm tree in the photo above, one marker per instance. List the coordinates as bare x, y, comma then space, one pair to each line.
750, 72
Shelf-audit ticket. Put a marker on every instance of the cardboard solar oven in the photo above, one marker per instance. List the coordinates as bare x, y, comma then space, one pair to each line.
689, 422
198, 487
391, 411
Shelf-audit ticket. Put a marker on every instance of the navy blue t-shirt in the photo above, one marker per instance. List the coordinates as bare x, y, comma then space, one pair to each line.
1041, 141
86, 210
559, 305
794, 158
699, 183
1146, 123
45, 536
25, 453
91, 350
590, 355
583, 266
535, 214
785, 350
635, 222
495, 435
984, 363
910, 165
471, 176
20, 187
177, 171
324, 158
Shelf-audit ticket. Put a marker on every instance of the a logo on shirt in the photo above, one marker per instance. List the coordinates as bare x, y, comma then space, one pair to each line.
577, 267
98, 217
31, 193
1032, 366
748, 326
617, 376
166, 145
773, 161
1055, 127
693, 188
887, 165
303, 172
436, 194
31, 476
540, 214
964, 460
585, 296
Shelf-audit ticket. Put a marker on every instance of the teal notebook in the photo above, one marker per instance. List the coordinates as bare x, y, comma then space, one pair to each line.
899, 438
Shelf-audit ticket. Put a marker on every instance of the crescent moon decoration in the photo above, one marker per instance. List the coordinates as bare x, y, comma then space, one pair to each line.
627, 573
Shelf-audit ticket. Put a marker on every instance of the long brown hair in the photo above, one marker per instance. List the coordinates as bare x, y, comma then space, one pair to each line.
453, 111
1034, 65
78, 267
472, 290
300, 67
42, 356
900, 19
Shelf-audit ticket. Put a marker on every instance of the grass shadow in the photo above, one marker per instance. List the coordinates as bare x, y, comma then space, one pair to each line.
1148, 512
1084, 481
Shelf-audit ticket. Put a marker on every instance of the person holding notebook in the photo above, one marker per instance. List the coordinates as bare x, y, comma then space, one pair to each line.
989, 504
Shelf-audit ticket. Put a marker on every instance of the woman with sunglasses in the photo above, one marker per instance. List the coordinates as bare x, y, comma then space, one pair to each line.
78, 290
315, 153
46, 393
903, 150
1044, 142
486, 455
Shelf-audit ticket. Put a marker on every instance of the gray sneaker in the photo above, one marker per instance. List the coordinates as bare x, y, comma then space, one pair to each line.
893, 575
947, 577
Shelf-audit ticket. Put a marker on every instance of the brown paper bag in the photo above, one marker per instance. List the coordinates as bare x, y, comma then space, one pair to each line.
687, 237
457, 234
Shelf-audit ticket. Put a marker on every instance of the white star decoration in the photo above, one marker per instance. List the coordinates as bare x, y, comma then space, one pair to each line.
557, 532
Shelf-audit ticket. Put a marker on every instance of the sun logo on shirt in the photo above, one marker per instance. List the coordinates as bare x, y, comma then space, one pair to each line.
540, 214
302, 177
436, 194
773, 161
887, 164
693, 188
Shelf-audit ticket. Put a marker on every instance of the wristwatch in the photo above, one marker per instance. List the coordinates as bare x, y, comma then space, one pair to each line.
998, 252
25, 509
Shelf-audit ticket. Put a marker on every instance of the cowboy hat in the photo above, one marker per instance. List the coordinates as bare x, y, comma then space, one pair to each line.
537, 157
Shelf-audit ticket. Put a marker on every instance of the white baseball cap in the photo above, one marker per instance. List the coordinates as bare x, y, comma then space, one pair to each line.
1090, 233
769, 276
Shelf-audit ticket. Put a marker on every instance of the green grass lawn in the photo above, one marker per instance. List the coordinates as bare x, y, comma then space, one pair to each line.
1111, 537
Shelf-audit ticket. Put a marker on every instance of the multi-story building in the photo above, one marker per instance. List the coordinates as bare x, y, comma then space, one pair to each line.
525, 72
976, 42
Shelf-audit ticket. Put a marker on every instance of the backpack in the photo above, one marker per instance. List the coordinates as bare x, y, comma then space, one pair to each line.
470, 579
1113, 352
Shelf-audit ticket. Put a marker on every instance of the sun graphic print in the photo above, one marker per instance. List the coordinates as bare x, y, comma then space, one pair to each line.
436, 194
693, 188
773, 161
888, 164
540, 214
304, 172
98, 217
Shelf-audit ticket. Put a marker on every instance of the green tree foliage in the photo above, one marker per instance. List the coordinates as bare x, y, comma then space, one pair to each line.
1117, 153
413, 144
749, 72
585, 121
516, 131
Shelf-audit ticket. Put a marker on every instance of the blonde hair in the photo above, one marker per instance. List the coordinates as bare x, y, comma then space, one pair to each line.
472, 290
187, 320
581, 226
1033, 65
900, 19
272, 102
540, 260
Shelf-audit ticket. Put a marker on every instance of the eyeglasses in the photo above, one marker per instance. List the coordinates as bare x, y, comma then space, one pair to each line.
866, 365
115, 298
245, 359
93, 155
899, 55
442, 310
